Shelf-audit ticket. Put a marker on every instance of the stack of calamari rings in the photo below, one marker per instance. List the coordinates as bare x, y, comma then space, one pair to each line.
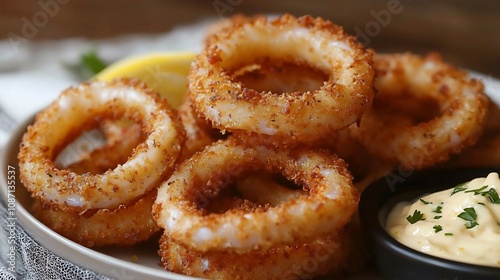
252, 177
275, 128
275, 232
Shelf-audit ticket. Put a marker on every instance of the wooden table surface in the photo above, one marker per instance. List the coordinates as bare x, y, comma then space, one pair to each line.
467, 33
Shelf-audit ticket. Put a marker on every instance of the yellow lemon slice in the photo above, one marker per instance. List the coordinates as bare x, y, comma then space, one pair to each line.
165, 73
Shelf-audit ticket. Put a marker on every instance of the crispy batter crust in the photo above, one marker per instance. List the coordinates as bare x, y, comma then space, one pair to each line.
401, 139
325, 255
290, 117
126, 225
330, 202
73, 111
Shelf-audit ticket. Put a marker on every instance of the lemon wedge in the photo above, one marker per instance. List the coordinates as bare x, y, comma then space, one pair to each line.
165, 73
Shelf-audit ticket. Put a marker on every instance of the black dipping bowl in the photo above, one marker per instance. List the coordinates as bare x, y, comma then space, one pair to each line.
397, 261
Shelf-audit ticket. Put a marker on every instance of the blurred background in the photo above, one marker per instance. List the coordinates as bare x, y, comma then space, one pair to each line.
467, 33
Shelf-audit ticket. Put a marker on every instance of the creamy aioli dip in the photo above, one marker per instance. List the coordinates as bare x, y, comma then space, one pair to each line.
461, 224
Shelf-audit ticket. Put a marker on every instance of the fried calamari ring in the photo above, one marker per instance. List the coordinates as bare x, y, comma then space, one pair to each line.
122, 226
274, 76
339, 102
328, 206
325, 255
412, 142
64, 119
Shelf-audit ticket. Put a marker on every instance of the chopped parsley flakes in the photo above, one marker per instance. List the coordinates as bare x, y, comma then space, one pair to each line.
438, 209
459, 188
491, 194
470, 216
437, 228
417, 216
425, 202
477, 191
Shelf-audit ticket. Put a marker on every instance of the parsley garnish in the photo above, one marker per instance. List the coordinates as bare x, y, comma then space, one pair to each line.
437, 217
470, 216
417, 216
425, 202
437, 228
438, 209
477, 191
493, 196
93, 62
459, 188
89, 65
448, 234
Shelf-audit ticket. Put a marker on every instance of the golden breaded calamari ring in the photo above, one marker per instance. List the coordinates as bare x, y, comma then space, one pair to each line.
415, 144
324, 255
297, 116
126, 225
71, 113
326, 208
